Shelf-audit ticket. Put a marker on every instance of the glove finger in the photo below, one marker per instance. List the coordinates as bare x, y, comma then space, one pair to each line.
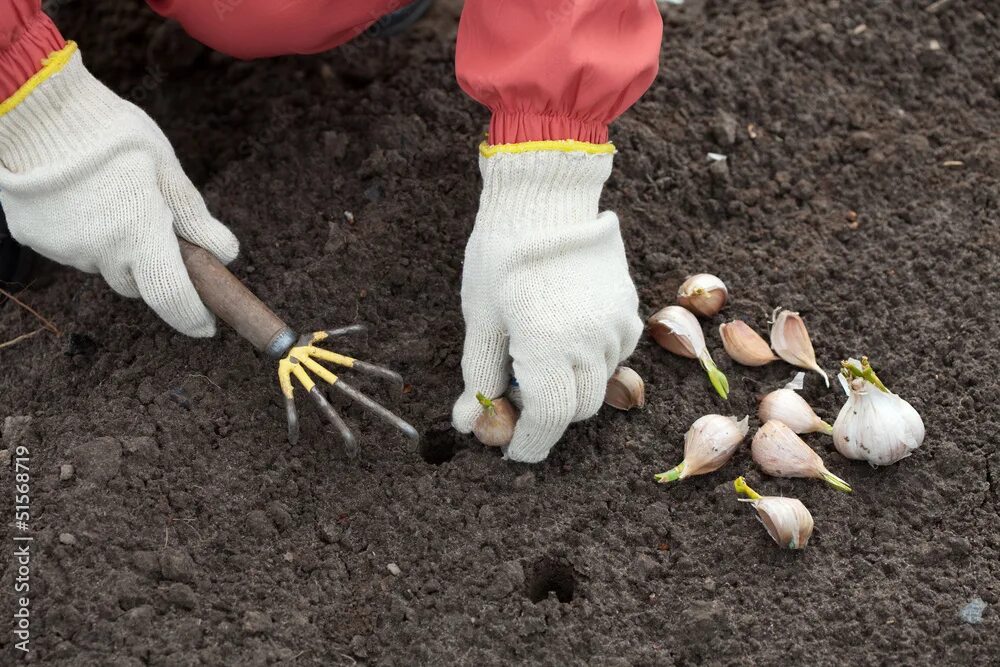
164, 284
591, 385
549, 395
630, 337
486, 369
192, 221
121, 280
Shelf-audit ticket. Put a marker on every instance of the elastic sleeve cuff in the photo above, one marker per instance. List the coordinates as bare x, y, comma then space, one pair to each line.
515, 128
38, 38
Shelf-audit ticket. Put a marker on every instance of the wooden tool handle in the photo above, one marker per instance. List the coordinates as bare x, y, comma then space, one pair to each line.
231, 301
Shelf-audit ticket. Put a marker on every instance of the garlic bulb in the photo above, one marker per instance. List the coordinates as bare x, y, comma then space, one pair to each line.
625, 390
744, 345
709, 443
787, 520
875, 425
790, 339
787, 407
703, 294
678, 331
495, 426
781, 453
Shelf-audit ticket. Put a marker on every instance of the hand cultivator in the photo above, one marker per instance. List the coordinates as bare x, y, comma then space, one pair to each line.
297, 356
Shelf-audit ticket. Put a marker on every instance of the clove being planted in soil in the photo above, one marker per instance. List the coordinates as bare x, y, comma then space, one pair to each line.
787, 520
495, 426
678, 331
787, 407
625, 390
875, 425
708, 445
703, 294
781, 453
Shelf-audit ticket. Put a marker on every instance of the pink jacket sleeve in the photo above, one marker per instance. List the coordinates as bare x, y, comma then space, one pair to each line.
27, 36
557, 70
263, 28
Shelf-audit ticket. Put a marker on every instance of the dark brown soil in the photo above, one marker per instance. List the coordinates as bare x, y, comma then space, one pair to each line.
203, 537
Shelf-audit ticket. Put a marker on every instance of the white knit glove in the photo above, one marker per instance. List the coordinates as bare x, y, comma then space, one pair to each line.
88, 179
546, 283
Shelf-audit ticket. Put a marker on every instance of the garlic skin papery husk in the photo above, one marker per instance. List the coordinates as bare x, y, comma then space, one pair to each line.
875, 425
744, 345
495, 426
703, 294
625, 390
790, 340
787, 520
787, 407
708, 445
678, 331
781, 453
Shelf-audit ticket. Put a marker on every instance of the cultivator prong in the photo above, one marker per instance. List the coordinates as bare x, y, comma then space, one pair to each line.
303, 358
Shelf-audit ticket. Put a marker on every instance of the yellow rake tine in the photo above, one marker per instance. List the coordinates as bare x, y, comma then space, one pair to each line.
303, 377
333, 357
323, 373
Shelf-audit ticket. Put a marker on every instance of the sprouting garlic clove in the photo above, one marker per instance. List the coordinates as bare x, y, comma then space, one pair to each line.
677, 330
875, 425
625, 390
495, 425
790, 340
744, 345
781, 453
708, 445
787, 407
703, 294
787, 520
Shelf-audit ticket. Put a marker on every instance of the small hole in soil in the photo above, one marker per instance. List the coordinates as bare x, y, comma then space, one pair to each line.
438, 445
551, 576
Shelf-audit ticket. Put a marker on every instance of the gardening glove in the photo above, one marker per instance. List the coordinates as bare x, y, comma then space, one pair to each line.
545, 283
88, 179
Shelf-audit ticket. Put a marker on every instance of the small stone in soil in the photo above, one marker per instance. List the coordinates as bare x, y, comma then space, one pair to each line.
66, 471
973, 612
394, 569
67, 539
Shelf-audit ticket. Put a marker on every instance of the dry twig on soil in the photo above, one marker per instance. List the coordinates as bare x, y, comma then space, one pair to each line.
47, 324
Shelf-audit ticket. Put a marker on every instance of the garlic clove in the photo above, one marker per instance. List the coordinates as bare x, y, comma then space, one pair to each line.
787, 520
781, 453
678, 331
787, 407
708, 445
875, 425
625, 390
790, 340
744, 345
703, 294
495, 426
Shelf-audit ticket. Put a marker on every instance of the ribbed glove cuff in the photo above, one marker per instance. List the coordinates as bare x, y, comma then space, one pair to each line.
60, 111
540, 189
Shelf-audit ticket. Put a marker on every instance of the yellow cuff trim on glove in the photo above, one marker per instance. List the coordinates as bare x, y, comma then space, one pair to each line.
563, 146
55, 62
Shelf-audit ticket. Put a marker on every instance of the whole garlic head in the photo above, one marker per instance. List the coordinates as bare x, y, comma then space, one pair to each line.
708, 445
875, 425
787, 407
703, 294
